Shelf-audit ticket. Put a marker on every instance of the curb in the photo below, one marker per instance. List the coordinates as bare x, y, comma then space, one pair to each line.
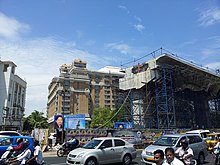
49, 153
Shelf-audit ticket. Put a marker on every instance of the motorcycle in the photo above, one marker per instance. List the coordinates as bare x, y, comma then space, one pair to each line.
8, 154
66, 147
193, 161
216, 153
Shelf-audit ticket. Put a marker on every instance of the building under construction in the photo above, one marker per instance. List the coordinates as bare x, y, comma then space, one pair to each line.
168, 92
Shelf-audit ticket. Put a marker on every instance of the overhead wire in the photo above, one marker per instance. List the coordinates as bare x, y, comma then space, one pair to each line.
117, 111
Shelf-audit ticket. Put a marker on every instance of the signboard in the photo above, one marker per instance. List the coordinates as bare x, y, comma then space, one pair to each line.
58, 128
131, 136
123, 125
75, 121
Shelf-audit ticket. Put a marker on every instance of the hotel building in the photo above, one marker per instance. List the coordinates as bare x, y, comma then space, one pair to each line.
78, 90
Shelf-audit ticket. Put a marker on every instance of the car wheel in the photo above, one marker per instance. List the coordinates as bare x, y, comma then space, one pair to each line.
91, 161
60, 153
127, 160
201, 159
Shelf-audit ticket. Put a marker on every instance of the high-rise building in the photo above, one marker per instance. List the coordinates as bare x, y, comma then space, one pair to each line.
78, 90
12, 97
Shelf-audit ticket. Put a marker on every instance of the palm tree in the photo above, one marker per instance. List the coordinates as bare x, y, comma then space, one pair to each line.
35, 120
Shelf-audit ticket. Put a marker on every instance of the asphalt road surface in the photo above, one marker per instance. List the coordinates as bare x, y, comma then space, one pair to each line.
52, 159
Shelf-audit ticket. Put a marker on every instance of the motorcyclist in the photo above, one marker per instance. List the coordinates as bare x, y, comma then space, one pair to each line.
19, 148
185, 153
23, 156
68, 146
216, 153
217, 145
72, 143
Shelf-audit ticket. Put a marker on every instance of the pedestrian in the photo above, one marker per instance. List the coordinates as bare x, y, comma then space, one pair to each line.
158, 157
170, 158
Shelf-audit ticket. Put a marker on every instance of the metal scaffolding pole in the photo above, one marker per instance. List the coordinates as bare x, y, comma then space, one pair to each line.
165, 99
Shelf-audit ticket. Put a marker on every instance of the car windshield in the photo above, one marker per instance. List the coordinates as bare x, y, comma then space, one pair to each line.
166, 141
92, 144
211, 138
2, 137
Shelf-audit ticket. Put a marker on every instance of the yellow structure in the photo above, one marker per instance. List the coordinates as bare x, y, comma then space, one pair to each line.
212, 140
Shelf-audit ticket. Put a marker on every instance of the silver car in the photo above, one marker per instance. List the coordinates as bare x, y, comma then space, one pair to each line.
195, 142
103, 150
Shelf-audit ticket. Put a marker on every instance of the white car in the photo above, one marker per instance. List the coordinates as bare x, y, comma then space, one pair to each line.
195, 142
103, 150
202, 133
10, 133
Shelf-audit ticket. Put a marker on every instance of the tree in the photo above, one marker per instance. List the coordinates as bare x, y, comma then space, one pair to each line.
102, 118
35, 120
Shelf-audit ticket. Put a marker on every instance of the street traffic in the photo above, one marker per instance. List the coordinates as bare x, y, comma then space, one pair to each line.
52, 159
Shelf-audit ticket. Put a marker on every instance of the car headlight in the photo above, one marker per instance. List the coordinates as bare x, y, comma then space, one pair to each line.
80, 155
149, 153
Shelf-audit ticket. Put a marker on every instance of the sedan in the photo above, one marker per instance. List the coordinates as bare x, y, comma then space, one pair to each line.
103, 150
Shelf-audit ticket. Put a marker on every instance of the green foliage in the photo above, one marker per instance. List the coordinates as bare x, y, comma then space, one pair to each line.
102, 118
35, 120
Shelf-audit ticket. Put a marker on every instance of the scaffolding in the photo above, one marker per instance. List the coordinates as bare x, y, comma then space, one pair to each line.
174, 94
165, 99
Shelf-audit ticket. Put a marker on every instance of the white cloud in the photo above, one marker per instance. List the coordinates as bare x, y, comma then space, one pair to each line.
187, 43
214, 65
11, 28
138, 18
38, 61
121, 47
124, 8
139, 27
209, 17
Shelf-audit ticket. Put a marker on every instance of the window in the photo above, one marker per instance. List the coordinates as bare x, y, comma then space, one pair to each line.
13, 70
194, 139
107, 143
5, 67
198, 139
9, 97
7, 142
119, 143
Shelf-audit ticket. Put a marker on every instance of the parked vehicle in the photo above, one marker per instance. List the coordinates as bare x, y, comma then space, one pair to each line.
201, 132
10, 133
212, 140
195, 142
67, 146
12, 141
103, 150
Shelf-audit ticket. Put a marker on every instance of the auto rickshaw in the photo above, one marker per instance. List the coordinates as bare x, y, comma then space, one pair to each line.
212, 140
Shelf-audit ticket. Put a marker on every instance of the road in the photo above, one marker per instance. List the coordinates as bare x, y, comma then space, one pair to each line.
52, 159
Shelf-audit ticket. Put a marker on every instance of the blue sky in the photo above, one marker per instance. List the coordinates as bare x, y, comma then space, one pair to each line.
39, 36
